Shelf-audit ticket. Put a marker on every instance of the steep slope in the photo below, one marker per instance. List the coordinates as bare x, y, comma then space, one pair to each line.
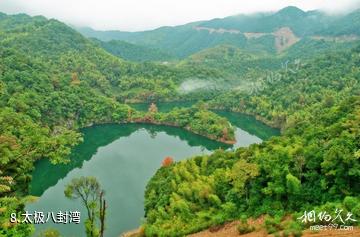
230, 60
54, 81
262, 32
76, 57
300, 22
248, 66
313, 165
43, 97
133, 52
346, 25
180, 41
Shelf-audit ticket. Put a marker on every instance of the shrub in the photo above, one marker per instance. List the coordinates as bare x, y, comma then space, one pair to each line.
286, 233
350, 202
356, 211
293, 228
297, 233
244, 228
273, 225
167, 161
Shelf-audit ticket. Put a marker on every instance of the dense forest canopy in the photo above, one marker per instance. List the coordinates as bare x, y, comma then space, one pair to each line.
314, 163
54, 81
258, 32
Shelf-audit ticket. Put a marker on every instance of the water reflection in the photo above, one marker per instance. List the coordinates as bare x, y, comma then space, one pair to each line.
47, 175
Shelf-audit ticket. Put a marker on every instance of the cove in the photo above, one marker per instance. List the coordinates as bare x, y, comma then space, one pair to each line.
123, 158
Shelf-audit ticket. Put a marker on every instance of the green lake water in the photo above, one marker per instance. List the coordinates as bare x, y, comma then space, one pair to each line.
123, 158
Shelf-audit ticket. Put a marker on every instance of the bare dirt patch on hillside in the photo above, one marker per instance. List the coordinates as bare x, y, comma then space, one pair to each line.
284, 38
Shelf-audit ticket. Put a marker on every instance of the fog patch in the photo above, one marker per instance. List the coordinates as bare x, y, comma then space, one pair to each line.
196, 85
192, 85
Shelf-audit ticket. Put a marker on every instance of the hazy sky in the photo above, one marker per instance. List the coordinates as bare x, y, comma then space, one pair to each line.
134, 15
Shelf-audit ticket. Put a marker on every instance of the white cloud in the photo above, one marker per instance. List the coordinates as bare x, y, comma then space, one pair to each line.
137, 15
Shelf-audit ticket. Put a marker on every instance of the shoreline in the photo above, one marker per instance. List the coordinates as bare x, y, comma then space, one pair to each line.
144, 121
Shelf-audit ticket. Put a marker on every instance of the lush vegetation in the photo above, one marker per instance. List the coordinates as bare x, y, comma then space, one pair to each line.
54, 81
133, 52
347, 25
90, 193
282, 96
301, 22
185, 40
314, 165
195, 119
68, 61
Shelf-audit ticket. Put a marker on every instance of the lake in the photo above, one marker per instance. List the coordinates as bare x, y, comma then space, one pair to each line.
123, 158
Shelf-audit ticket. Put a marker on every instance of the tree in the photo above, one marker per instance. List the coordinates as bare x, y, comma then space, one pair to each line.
5, 182
102, 213
167, 161
241, 173
88, 190
293, 184
10, 206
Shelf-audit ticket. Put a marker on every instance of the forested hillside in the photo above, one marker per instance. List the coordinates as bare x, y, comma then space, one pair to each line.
269, 32
347, 25
67, 54
314, 165
133, 52
54, 81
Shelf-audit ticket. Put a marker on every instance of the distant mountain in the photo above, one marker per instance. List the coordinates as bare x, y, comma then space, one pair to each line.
180, 41
133, 52
269, 32
300, 22
67, 58
39, 36
103, 35
347, 25
230, 60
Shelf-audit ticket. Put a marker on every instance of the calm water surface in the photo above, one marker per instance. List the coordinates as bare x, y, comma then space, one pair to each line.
123, 158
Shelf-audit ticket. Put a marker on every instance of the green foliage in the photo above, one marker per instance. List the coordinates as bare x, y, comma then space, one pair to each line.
88, 190
9, 205
133, 52
350, 202
53, 81
299, 21
244, 228
200, 121
293, 228
278, 227
225, 58
346, 25
356, 211
273, 224
315, 161
293, 184
50, 233
185, 40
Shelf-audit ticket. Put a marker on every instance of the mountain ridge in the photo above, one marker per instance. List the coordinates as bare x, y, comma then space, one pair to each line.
254, 31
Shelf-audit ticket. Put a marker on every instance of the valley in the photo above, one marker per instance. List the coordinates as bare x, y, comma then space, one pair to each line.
114, 149
187, 128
